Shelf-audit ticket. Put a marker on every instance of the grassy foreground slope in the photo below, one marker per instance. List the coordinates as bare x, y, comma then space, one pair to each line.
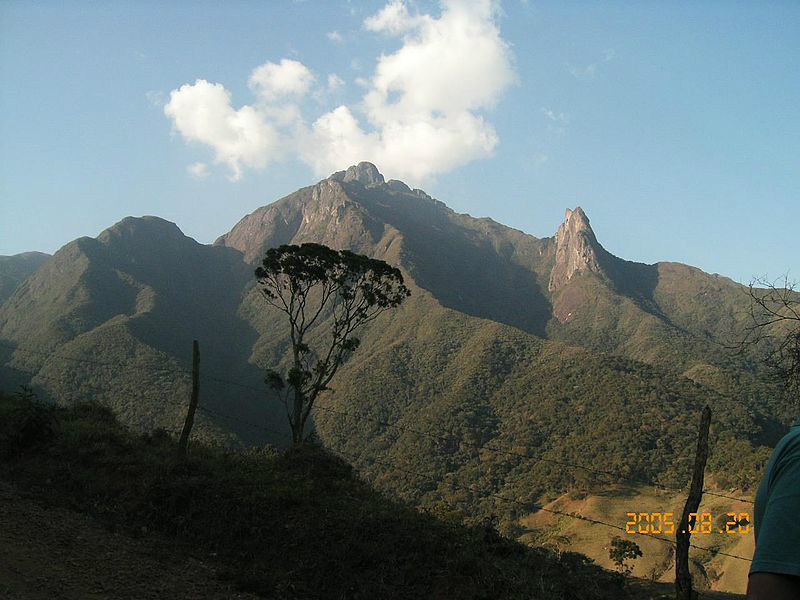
281, 525
710, 570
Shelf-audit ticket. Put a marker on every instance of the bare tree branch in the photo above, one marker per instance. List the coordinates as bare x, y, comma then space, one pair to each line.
773, 331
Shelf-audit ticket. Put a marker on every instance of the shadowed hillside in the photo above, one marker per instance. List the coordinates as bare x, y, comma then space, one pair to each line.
127, 305
296, 525
15, 269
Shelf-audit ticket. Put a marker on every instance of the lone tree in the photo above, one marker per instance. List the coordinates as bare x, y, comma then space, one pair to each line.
622, 550
311, 283
774, 329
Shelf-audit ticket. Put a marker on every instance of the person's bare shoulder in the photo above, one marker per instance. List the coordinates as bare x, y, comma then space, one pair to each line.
773, 586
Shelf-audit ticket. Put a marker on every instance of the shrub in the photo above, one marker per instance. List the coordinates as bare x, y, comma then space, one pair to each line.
25, 422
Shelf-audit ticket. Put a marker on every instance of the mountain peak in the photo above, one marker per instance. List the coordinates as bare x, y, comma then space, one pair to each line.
137, 236
577, 218
364, 172
577, 249
146, 224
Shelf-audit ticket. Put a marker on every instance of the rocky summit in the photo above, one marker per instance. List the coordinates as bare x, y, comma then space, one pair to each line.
364, 172
576, 249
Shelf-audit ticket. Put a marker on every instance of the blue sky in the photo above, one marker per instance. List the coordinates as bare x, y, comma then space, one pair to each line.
675, 125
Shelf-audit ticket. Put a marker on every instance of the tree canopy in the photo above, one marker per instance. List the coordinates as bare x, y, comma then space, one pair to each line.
311, 283
623, 550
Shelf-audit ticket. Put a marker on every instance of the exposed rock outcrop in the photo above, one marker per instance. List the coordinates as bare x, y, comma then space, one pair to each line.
364, 172
327, 212
577, 249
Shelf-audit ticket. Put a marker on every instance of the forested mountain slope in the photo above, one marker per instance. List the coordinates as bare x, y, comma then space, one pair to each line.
15, 269
127, 305
551, 346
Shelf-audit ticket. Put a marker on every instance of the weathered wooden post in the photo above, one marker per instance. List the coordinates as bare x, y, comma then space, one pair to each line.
683, 578
187, 425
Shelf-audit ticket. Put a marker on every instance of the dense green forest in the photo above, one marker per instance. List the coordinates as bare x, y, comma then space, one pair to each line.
511, 378
483, 389
297, 524
16, 269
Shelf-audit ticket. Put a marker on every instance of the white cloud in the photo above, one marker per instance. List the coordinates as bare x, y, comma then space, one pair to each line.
555, 117
393, 18
155, 98
456, 62
333, 140
335, 83
584, 73
288, 78
422, 100
421, 112
198, 170
335, 37
202, 112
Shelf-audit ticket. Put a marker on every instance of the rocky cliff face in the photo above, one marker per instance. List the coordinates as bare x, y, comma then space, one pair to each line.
364, 172
322, 213
476, 266
577, 249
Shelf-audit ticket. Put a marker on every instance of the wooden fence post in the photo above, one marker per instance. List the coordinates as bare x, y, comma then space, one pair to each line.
187, 425
683, 578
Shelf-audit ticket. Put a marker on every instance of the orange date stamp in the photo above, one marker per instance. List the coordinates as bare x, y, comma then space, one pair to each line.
699, 523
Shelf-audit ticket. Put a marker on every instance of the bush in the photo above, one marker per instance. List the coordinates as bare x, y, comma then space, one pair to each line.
25, 422
622, 551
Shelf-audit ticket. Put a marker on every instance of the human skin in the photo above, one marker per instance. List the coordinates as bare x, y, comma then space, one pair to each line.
773, 586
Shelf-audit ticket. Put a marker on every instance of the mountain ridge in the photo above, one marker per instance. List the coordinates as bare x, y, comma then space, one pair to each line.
517, 356
566, 287
484, 350
541, 285
17, 268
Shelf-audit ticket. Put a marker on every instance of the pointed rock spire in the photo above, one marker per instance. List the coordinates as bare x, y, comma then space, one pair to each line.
577, 249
